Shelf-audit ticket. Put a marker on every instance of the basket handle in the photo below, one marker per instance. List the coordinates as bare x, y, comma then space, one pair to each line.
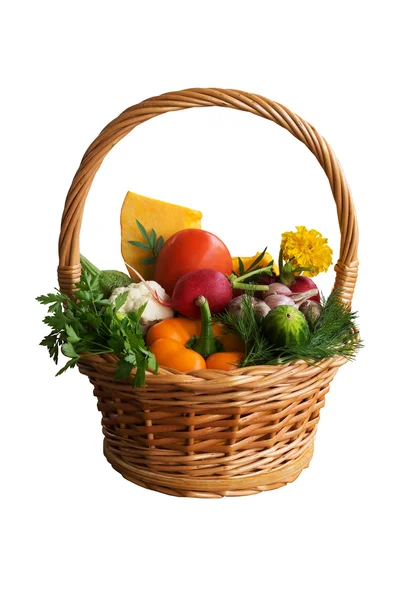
69, 269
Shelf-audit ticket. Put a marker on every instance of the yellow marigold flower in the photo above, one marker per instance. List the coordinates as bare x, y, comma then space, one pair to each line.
307, 248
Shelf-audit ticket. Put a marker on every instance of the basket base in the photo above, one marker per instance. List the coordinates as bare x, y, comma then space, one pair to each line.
218, 487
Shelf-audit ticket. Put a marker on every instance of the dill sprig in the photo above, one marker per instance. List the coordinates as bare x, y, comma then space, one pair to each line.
335, 333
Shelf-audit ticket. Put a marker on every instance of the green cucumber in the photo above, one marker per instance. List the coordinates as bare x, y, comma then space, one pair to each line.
286, 326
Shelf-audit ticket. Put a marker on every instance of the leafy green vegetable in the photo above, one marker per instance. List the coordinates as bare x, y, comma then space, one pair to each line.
334, 333
89, 324
151, 244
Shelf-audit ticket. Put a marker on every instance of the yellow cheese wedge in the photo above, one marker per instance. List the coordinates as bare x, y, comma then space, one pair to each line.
165, 218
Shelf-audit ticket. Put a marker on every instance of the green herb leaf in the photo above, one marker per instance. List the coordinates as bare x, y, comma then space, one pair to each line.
137, 316
93, 320
51, 342
73, 337
56, 321
124, 369
116, 344
55, 300
241, 267
160, 244
69, 351
131, 359
69, 365
152, 363
140, 245
120, 300
257, 260
143, 232
152, 244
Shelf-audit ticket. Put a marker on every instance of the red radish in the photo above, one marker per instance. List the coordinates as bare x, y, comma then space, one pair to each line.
303, 284
211, 284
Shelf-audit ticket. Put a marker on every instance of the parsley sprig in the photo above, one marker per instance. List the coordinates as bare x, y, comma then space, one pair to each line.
89, 324
151, 244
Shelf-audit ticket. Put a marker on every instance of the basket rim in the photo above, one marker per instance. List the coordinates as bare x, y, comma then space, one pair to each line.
106, 363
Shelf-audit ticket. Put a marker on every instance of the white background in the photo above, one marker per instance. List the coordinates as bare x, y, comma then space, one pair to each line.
74, 528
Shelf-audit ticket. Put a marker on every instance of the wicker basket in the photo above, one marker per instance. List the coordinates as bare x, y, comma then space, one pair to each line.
210, 433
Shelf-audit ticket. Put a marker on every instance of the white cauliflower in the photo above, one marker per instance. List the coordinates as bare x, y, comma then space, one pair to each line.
138, 294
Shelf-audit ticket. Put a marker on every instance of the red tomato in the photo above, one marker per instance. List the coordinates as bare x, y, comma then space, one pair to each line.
190, 250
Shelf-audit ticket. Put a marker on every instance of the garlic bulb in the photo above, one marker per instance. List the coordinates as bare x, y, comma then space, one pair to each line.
277, 288
302, 296
278, 299
311, 310
260, 308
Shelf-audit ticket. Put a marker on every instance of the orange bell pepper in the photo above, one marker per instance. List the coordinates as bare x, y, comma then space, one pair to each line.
167, 341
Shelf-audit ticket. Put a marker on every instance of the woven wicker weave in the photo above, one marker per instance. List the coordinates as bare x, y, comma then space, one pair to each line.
210, 433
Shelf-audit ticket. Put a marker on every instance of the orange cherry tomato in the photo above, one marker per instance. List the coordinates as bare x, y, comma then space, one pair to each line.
190, 250
224, 360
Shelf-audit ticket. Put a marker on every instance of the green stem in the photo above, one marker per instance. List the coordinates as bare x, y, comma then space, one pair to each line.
280, 260
89, 266
250, 274
237, 284
249, 286
206, 344
287, 271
